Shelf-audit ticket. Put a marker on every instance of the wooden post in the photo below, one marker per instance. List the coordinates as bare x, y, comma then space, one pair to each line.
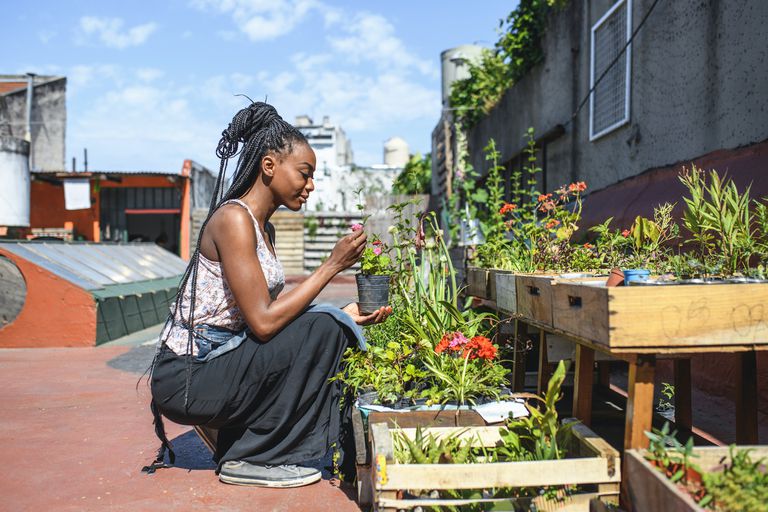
520, 333
382, 454
542, 379
640, 402
746, 399
683, 402
582, 383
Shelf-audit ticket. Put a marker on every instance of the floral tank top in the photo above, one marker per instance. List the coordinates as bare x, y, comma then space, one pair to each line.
214, 303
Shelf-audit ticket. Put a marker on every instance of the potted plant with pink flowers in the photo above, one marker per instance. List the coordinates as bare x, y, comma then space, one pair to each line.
373, 279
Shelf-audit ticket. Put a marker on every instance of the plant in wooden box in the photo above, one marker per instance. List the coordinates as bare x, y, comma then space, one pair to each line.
721, 479
444, 482
727, 228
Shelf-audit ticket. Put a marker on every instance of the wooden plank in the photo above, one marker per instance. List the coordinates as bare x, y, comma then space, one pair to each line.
443, 418
572, 503
480, 436
604, 373
477, 282
492, 278
543, 376
746, 399
683, 402
534, 297
640, 402
581, 310
506, 295
498, 474
358, 430
582, 384
518, 365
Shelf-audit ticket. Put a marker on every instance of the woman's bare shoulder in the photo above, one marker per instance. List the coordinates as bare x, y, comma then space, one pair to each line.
230, 225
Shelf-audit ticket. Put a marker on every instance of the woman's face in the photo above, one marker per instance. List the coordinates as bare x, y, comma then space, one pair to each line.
293, 177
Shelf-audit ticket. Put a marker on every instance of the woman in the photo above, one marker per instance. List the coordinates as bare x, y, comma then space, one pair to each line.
235, 354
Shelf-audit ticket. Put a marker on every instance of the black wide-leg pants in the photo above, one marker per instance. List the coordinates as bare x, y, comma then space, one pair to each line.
272, 402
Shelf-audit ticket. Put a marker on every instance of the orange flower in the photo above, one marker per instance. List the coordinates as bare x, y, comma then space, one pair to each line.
508, 207
626, 233
552, 223
547, 206
544, 197
588, 246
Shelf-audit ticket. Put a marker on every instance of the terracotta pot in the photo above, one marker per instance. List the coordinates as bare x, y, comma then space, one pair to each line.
616, 278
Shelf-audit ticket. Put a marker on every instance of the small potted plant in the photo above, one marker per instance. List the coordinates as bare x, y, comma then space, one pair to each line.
373, 279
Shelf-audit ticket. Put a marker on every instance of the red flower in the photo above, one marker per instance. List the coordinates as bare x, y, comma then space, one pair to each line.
626, 233
579, 186
588, 246
479, 347
552, 223
547, 206
376, 242
508, 207
544, 197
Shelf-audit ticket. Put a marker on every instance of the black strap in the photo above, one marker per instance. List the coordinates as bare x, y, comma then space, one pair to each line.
159, 461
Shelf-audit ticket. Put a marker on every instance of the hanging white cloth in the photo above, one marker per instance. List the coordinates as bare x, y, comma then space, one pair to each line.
77, 194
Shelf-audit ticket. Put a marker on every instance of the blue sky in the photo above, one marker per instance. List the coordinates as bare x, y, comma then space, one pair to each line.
153, 83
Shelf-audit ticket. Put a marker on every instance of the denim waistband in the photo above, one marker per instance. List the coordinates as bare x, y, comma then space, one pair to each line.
213, 340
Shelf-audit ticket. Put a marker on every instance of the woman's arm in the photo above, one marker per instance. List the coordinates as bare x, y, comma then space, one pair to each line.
235, 239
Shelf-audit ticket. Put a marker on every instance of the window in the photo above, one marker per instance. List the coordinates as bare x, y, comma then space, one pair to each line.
609, 101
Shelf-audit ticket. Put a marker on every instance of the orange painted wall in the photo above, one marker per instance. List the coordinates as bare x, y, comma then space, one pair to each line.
56, 313
47, 204
47, 211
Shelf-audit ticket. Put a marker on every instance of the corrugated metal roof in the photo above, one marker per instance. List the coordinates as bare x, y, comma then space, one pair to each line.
67, 174
93, 266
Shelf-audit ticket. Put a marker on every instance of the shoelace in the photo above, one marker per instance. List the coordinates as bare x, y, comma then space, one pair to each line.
287, 467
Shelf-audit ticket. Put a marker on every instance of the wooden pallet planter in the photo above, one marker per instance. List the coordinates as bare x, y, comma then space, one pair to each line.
534, 297
493, 274
477, 282
633, 318
406, 419
597, 466
649, 489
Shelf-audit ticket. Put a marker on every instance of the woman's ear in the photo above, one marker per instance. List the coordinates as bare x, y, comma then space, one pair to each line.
268, 164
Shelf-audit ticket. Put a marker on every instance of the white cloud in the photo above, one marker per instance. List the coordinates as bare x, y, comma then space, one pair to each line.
262, 20
46, 35
110, 31
149, 74
371, 38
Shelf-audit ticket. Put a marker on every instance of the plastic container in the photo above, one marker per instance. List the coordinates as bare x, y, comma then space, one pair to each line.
372, 292
636, 274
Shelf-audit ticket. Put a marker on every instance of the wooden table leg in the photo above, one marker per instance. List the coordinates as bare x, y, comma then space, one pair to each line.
683, 402
519, 342
582, 384
640, 402
746, 399
542, 379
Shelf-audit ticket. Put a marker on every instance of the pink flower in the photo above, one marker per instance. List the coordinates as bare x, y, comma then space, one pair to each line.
377, 250
356, 227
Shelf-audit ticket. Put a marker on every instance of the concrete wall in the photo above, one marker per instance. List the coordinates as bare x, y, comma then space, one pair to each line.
49, 122
699, 84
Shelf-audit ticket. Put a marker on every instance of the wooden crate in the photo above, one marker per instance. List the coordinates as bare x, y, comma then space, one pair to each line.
405, 419
645, 317
598, 465
477, 282
493, 274
534, 297
649, 489
506, 294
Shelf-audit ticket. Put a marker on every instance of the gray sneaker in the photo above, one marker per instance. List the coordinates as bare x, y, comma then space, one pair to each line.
240, 472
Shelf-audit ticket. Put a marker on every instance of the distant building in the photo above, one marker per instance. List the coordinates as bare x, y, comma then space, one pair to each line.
37, 114
337, 178
166, 208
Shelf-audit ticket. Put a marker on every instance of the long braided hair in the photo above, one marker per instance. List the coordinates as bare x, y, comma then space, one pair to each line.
254, 132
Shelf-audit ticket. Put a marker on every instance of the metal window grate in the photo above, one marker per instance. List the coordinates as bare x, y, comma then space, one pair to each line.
609, 102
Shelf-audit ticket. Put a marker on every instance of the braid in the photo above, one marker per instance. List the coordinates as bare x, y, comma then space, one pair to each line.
254, 132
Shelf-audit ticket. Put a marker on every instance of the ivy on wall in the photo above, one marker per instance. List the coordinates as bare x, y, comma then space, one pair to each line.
514, 54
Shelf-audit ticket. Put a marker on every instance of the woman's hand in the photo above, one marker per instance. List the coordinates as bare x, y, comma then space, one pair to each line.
347, 251
376, 317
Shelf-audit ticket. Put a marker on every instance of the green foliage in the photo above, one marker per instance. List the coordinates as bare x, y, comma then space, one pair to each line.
514, 54
539, 436
375, 261
461, 379
430, 449
416, 177
724, 230
741, 487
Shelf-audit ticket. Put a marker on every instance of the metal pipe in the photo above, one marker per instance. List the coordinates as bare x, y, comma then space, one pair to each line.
28, 134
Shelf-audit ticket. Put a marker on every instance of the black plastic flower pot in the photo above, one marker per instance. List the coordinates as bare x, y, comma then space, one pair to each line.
372, 292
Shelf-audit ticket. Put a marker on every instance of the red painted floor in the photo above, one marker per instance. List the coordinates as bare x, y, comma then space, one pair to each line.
75, 432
